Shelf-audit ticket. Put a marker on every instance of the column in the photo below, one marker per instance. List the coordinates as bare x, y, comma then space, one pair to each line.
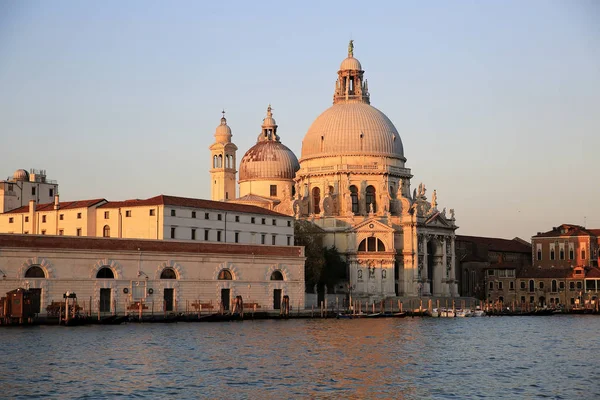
425, 278
453, 267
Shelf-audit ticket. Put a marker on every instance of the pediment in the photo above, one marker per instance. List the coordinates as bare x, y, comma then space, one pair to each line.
438, 221
372, 225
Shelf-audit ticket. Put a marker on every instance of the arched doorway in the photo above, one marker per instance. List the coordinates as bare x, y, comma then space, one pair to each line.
225, 275
36, 272
168, 293
277, 276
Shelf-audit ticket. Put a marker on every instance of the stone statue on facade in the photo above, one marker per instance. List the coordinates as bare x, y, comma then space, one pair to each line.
296, 207
371, 212
414, 194
434, 199
348, 209
351, 48
452, 213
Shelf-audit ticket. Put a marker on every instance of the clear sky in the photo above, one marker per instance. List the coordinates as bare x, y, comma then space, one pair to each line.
497, 103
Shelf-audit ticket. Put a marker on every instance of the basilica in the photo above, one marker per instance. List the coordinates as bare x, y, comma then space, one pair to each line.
351, 181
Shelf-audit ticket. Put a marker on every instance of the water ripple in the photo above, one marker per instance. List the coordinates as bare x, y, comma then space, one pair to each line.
477, 358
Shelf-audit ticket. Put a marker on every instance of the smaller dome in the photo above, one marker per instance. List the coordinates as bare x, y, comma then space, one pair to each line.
223, 131
269, 120
21, 175
350, 63
268, 160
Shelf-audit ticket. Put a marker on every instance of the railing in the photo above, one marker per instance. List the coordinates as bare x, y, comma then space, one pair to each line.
347, 167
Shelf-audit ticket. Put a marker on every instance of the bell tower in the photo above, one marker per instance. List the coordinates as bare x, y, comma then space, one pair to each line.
223, 172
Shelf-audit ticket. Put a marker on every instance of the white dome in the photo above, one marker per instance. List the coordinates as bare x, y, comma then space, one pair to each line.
352, 129
350, 63
223, 132
21, 175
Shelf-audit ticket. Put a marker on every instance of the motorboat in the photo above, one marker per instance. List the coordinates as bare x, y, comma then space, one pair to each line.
443, 313
462, 313
478, 312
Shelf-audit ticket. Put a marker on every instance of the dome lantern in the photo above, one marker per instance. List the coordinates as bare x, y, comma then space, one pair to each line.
269, 127
349, 87
352, 126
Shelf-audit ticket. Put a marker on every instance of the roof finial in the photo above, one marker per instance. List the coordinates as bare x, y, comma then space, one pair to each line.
269, 113
351, 48
223, 120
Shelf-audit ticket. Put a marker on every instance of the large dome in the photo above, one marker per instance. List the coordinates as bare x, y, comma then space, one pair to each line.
268, 160
352, 129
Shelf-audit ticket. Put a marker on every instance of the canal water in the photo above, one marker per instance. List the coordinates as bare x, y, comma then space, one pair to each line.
555, 357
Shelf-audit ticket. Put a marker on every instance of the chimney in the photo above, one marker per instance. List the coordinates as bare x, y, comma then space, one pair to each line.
56, 203
32, 206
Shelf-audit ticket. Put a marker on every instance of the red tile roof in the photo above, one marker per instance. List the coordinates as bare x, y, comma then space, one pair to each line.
63, 205
497, 244
569, 230
193, 203
143, 245
592, 272
533, 272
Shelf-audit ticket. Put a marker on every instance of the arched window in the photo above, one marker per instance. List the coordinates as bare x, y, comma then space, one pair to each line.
354, 196
531, 285
225, 275
35, 272
168, 273
316, 200
220, 161
276, 276
105, 273
214, 161
370, 198
371, 244
106, 231
541, 285
554, 286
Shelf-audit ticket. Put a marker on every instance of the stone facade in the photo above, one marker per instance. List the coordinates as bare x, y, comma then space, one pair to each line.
353, 184
118, 272
477, 255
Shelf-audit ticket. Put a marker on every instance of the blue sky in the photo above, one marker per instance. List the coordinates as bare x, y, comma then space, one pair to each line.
497, 103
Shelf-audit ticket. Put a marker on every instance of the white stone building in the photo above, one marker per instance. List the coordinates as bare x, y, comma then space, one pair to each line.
110, 275
352, 182
25, 186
